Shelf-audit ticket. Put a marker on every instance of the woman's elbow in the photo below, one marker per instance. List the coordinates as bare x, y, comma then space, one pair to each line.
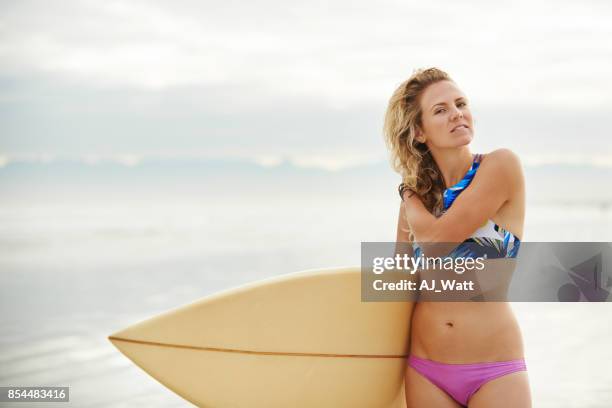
424, 235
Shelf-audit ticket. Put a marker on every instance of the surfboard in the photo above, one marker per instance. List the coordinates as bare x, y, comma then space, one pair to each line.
298, 340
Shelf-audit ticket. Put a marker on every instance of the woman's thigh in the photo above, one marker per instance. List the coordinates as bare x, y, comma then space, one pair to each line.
420, 392
508, 391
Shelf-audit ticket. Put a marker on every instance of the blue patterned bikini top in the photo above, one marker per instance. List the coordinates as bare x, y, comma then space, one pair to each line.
489, 240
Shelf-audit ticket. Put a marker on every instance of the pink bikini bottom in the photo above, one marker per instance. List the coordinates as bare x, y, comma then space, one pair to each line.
461, 381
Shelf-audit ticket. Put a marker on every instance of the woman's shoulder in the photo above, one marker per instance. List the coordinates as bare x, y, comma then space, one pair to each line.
501, 163
403, 188
502, 156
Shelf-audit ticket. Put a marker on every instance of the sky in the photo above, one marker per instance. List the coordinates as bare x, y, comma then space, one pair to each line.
306, 82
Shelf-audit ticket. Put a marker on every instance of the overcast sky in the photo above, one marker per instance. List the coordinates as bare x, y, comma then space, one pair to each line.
307, 81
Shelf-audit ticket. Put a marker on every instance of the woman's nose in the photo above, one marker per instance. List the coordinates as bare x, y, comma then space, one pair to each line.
457, 114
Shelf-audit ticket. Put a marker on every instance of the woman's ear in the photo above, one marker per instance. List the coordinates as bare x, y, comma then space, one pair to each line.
420, 137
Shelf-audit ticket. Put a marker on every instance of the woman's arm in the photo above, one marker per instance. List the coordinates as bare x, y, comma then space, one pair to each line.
403, 229
402, 240
496, 181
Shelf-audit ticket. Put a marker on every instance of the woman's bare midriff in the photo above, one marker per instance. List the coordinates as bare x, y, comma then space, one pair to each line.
465, 332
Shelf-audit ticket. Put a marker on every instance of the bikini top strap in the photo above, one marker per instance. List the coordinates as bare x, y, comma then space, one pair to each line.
403, 187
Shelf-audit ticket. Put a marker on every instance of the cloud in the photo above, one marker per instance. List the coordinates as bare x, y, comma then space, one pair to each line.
288, 78
341, 53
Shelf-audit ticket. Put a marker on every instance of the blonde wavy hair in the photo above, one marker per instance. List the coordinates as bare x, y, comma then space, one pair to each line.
409, 157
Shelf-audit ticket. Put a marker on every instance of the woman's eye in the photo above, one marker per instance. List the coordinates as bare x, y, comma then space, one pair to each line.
461, 104
438, 111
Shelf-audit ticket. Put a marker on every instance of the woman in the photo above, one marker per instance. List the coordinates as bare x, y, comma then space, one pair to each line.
461, 353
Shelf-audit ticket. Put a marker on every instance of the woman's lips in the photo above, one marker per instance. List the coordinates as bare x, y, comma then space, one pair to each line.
459, 128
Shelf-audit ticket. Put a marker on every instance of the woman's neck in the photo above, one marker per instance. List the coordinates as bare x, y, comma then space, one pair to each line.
453, 163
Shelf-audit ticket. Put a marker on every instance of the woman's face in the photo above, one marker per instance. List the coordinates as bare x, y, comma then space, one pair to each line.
446, 118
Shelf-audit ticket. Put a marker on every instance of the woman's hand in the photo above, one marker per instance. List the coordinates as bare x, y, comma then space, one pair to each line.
417, 216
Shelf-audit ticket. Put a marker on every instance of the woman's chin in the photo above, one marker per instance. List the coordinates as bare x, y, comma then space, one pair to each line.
460, 142
465, 140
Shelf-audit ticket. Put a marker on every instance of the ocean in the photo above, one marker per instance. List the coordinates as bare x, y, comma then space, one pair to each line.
87, 250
